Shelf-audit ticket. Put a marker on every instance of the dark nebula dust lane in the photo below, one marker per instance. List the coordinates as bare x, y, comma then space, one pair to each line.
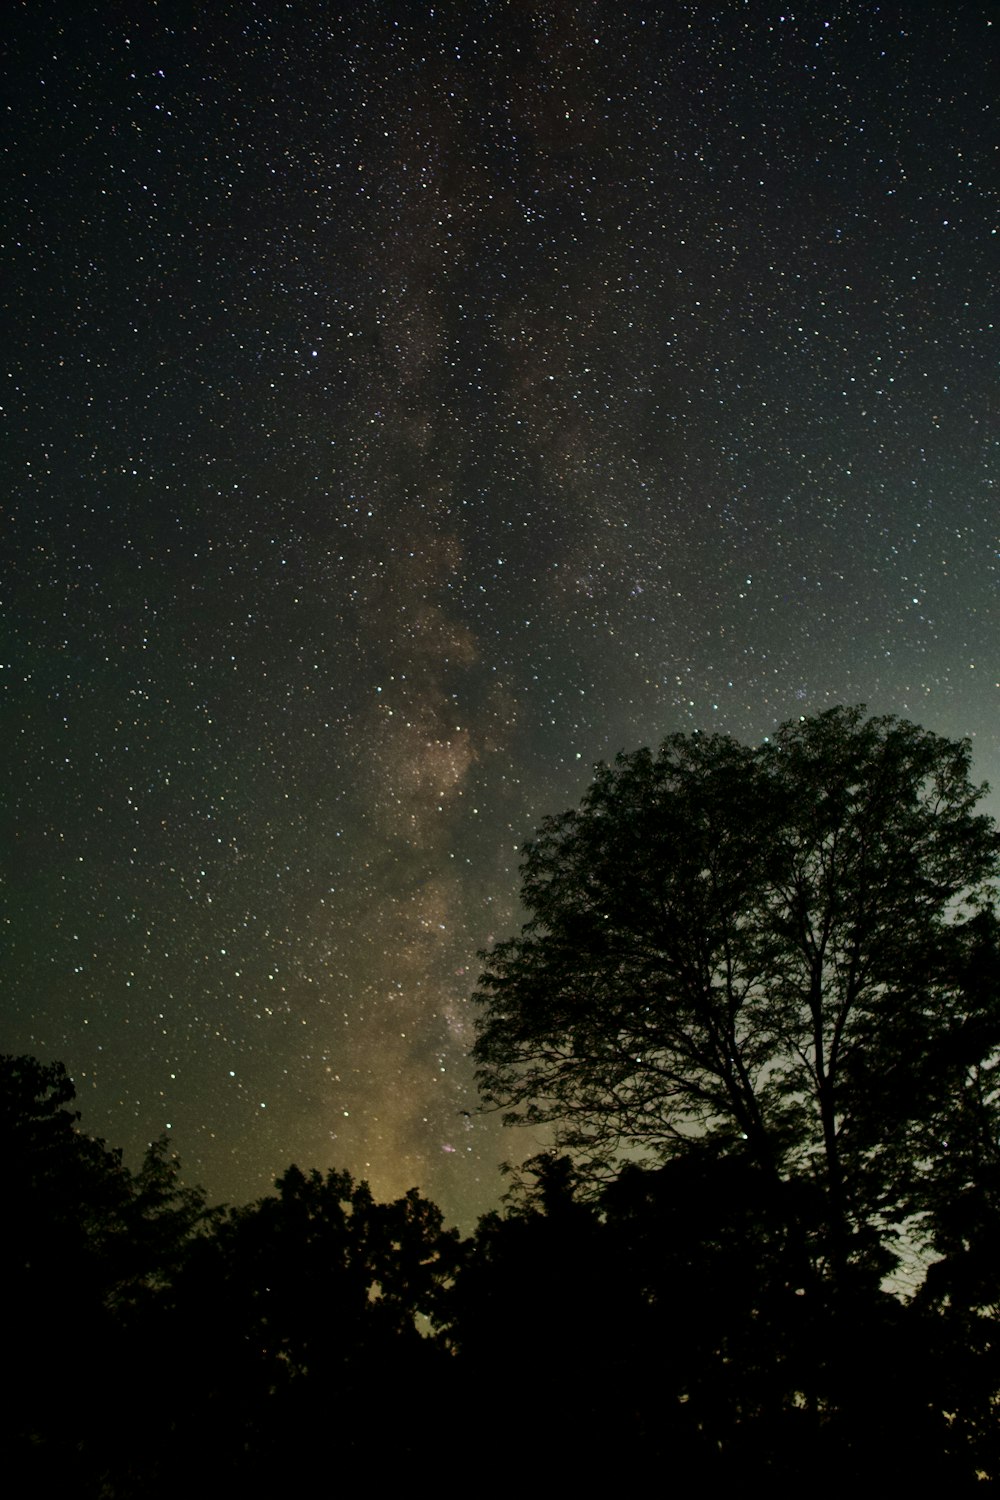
406, 409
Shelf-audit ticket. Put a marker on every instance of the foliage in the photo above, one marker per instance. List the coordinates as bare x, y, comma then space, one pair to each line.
209, 1337
319, 1272
766, 948
307, 1308
86, 1244
672, 1323
73, 1204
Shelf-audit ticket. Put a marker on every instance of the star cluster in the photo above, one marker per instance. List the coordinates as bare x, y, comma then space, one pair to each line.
407, 408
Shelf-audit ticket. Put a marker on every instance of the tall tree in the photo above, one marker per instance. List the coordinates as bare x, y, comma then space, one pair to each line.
87, 1246
731, 943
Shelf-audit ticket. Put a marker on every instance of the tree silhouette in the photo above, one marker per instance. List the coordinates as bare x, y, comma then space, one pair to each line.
677, 1320
87, 1244
770, 949
307, 1308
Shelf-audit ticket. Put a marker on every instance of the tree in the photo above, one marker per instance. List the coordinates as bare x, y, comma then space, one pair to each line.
316, 1297
64, 1194
87, 1248
83, 1229
767, 949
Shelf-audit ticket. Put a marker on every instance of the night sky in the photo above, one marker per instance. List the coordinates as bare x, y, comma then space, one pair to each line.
406, 408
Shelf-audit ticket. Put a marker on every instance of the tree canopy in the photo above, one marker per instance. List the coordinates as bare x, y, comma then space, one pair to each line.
785, 951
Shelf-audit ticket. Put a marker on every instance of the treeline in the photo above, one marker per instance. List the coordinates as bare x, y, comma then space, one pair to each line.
676, 1325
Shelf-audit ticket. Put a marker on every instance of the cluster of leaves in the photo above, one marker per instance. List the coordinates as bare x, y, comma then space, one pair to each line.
789, 950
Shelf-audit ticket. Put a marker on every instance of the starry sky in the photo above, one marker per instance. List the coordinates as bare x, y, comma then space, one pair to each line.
408, 405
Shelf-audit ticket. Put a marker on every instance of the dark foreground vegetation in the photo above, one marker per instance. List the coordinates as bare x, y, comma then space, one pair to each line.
672, 1327
757, 1001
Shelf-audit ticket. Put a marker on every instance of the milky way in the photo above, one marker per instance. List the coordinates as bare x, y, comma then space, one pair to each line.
407, 409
